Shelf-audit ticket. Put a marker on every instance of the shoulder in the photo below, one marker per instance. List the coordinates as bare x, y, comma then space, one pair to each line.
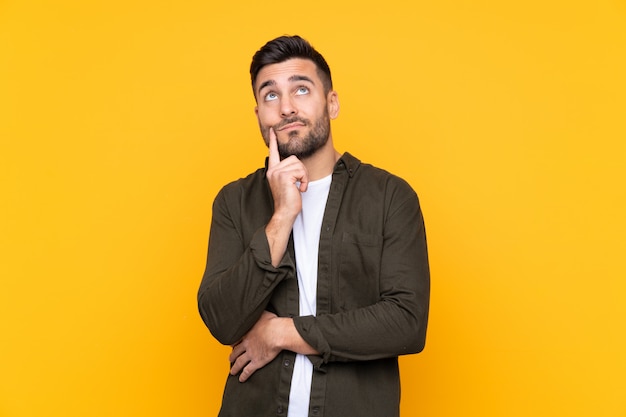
373, 177
248, 181
251, 184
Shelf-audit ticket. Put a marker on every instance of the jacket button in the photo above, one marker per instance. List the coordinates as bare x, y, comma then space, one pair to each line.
279, 410
286, 363
316, 410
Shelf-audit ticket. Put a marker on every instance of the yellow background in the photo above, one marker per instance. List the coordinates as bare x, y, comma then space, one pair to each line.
120, 120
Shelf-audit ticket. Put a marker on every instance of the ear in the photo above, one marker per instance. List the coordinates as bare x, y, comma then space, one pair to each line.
332, 102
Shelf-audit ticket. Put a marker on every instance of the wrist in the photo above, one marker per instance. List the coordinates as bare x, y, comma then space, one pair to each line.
284, 336
290, 338
283, 219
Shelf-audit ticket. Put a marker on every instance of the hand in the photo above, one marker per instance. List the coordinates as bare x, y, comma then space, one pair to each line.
282, 177
257, 348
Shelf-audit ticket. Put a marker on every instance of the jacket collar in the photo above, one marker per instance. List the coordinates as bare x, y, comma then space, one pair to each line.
346, 162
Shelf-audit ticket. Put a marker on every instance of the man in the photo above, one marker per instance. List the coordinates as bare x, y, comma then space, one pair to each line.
317, 271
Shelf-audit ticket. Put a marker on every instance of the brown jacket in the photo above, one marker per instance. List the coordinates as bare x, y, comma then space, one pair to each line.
372, 292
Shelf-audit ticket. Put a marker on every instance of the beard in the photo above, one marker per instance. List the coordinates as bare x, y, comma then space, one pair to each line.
299, 146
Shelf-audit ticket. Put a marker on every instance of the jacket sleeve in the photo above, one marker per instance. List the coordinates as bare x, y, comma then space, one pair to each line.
396, 323
239, 277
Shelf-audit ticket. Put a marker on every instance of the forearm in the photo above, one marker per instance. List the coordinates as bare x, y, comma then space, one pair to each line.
278, 231
291, 339
239, 279
374, 332
266, 339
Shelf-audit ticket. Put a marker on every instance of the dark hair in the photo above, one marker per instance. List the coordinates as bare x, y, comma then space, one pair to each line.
287, 47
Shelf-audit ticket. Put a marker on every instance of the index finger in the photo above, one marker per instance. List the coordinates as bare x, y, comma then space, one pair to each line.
237, 351
274, 157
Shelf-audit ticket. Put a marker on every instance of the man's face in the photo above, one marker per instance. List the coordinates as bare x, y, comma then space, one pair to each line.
290, 98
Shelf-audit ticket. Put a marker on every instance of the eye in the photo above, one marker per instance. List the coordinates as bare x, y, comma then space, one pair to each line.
302, 90
271, 96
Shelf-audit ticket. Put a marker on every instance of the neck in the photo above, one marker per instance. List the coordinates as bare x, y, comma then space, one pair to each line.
322, 163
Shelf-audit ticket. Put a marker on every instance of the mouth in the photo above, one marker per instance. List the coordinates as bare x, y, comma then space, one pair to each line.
291, 126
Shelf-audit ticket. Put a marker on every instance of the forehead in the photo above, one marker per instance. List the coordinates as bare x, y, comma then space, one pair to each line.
284, 72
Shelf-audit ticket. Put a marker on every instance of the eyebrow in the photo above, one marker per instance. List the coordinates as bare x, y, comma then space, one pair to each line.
293, 78
300, 78
267, 83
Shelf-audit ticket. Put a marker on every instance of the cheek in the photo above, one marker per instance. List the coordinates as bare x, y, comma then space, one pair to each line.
266, 116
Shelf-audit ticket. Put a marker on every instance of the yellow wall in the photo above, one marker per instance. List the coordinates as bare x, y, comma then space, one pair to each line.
120, 120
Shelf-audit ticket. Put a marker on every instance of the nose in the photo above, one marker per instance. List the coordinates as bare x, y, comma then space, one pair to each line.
287, 107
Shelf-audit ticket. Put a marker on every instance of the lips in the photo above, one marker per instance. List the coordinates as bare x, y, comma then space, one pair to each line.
291, 126
291, 123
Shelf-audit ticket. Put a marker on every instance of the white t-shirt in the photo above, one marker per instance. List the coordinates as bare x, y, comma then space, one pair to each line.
306, 239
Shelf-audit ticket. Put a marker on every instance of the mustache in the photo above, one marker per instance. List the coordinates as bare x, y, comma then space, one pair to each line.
289, 121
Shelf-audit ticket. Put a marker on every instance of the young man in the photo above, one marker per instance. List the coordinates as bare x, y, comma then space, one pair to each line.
317, 271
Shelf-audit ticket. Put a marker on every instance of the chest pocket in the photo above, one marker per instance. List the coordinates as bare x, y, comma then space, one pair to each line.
359, 270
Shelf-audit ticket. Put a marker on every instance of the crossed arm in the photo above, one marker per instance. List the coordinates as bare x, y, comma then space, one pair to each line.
240, 284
